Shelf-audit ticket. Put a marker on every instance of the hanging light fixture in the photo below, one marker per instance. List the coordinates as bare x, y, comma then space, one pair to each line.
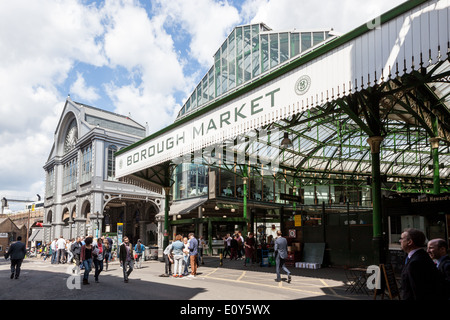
286, 142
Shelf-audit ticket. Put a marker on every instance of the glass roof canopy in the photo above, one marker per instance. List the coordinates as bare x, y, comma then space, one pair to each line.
249, 52
328, 146
329, 140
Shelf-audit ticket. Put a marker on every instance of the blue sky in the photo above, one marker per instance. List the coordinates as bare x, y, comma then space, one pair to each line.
138, 57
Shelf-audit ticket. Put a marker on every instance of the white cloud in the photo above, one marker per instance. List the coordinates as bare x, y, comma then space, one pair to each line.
207, 22
39, 44
82, 91
140, 44
342, 16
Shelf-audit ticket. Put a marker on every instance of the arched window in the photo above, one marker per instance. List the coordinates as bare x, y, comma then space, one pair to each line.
86, 164
111, 163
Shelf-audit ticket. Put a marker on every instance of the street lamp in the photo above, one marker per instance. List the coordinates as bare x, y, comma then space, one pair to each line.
286, 142
97, 226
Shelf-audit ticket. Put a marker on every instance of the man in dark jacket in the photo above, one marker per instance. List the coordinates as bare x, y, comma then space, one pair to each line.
193, 252
420, 278
438, 251
126, 258
76, 250
280, 249
17, 253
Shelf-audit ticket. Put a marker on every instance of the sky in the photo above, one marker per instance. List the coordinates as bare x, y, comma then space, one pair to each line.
141, 58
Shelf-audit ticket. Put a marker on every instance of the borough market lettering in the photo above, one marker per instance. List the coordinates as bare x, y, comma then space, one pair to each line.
231, 116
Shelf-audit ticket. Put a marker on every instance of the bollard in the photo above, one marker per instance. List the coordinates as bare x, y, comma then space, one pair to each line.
221, 257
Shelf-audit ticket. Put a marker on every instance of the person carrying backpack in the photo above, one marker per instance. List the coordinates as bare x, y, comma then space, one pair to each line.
139, 249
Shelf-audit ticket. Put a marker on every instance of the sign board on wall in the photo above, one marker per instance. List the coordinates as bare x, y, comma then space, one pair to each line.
298, 220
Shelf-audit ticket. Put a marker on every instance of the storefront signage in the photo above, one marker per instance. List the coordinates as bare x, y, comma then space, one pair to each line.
119, 233
431, 198
298, 220
227, 206
290, 197
3, 235
292, 233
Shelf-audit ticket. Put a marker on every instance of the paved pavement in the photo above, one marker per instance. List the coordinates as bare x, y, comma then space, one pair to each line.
41, 280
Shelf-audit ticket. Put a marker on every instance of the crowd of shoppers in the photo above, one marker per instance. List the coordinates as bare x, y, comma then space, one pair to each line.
425, 275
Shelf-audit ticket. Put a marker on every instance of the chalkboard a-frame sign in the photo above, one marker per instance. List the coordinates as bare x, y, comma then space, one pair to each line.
388, 283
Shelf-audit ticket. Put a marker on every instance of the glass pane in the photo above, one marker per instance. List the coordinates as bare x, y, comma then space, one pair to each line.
239, 66
295, 44
280, 186
318, 37
268, 191
284, 47
211, 90
247, 54
306, 41
255, 50
231, 61
264, 52
227, 188
238, 41
224, 68
255, 188
205, 90
240, 70
273, 50
199, 95
194, 100
218, 76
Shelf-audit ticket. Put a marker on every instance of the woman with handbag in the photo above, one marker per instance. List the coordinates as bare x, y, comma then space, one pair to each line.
86, 258
98, 258
106, 253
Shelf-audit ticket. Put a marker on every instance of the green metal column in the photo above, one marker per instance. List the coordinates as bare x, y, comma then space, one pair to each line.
166, 217
435, 151
375, 143
245, 181
210, 236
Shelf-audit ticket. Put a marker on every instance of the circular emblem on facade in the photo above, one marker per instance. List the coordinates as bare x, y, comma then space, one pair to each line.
302, 85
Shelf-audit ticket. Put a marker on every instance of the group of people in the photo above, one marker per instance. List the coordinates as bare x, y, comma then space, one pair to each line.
183, 253
238, 248
426, 273
89, 253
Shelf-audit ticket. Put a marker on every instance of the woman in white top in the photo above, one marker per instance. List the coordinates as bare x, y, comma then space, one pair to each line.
186, 256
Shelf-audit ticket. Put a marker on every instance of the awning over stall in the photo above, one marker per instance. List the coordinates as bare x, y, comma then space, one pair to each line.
185, 206
37, 235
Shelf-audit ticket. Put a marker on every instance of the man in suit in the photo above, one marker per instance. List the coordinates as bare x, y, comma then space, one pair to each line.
126, 258
420, 278
17, 253
280, 249
437, 249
